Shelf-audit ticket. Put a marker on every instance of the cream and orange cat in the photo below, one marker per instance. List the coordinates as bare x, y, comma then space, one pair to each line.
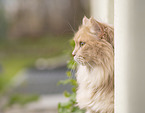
94, 53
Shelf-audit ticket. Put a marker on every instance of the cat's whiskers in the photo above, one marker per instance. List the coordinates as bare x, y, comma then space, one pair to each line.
81, 60
90, 65
71, 27
73, 69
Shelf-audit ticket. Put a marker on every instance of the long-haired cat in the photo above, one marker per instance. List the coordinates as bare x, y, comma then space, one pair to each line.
94, 53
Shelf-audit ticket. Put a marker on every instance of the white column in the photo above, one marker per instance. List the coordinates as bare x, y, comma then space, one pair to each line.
129, 56
103, 10
99, 9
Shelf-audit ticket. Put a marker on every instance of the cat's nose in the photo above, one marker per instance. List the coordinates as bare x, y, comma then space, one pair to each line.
73, 54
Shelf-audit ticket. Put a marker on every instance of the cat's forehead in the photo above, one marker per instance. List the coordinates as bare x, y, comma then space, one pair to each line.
77, 36
80, 35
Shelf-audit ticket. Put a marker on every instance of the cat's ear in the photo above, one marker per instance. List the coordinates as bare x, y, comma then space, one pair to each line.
95, 26
85, 20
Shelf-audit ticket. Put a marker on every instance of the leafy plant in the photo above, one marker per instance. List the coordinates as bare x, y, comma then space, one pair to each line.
70, 106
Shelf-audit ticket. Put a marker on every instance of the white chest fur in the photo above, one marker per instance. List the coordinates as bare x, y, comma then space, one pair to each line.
88, 81
92, 77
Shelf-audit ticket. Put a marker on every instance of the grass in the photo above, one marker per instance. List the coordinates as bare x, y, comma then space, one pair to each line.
22, 53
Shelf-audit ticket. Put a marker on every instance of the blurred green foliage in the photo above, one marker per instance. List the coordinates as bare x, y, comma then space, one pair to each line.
21, 99
70, 106
22, 53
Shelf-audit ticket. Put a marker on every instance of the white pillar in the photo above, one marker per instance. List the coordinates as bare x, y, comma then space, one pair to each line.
99, 9
103, 10
129, 56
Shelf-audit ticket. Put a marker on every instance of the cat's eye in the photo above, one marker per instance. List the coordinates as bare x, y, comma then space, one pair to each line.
82, 43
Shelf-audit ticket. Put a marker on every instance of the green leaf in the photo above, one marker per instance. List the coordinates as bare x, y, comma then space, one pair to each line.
66, 94
72, 43
73, 82
73, 89
64, 82
68, 73
71, 64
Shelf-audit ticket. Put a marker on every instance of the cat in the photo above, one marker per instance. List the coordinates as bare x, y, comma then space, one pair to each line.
94, 53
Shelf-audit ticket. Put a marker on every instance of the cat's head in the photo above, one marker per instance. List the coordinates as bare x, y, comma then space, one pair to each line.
93, 43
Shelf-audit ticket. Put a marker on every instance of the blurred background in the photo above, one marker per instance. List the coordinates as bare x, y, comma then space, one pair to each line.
34, 50
34, 45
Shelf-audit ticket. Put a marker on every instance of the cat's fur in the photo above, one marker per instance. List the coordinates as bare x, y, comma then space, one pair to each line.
95, 74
